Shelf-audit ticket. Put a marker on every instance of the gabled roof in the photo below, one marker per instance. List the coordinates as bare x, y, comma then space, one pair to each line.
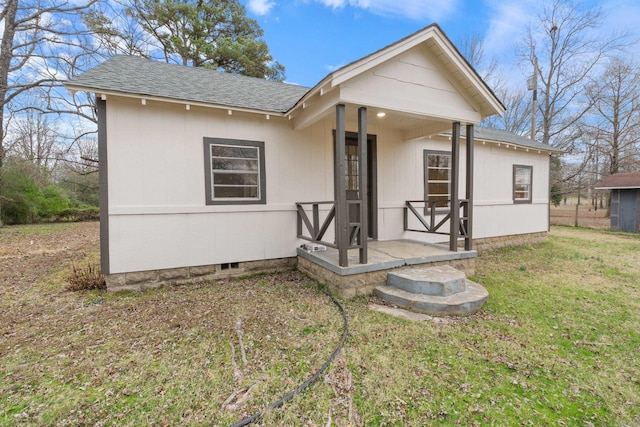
138, 77
628, 180
133, 75
459, 68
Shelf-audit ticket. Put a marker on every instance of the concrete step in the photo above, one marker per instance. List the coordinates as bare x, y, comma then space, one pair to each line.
442, 280
466, 302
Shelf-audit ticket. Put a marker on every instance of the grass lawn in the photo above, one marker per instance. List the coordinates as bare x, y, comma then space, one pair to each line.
556, 344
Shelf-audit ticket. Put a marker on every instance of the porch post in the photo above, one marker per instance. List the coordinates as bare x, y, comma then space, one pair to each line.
468, 209
454, 218
364, 200
342, 224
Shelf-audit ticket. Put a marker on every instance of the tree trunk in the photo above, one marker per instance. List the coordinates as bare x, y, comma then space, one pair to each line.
6, 53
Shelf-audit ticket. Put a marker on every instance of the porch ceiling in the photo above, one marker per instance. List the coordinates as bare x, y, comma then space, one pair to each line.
411, 125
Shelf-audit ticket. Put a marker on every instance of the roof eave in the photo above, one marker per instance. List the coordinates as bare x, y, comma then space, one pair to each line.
619, 187
343, 74
110, 92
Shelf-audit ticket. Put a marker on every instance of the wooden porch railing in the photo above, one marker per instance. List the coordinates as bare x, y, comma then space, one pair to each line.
315, 230
443, 214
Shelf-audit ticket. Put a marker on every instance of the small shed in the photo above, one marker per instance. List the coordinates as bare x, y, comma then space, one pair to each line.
625, 200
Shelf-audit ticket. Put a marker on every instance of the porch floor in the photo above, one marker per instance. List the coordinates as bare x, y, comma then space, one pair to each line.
386, 255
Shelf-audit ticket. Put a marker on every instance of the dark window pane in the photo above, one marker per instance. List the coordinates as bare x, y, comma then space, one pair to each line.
438, 160
231, 151
235, 165
438, 174
235, 192
235, 179
441, 201
438, 188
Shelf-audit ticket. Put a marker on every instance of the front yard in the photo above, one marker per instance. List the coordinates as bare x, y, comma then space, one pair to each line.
556, 344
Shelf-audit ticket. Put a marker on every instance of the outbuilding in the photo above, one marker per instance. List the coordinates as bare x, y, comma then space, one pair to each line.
625, 200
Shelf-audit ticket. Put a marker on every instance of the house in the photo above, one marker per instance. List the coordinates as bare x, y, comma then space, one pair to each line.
204, 173
625, 200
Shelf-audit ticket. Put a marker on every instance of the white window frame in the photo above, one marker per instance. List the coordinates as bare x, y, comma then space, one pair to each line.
211, 173
427, 181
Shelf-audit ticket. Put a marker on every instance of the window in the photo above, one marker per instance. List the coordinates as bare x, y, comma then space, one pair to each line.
522, 183
234, 171
437, 178
352, 169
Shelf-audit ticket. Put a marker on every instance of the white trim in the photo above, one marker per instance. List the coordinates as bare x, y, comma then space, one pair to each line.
103, 95
199, 209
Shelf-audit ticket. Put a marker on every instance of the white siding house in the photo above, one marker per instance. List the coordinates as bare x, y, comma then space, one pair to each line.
201, 171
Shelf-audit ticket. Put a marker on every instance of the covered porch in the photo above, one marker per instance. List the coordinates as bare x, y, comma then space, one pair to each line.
344, 225
383, 111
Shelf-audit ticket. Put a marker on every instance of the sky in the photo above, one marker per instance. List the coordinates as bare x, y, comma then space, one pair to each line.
311, 38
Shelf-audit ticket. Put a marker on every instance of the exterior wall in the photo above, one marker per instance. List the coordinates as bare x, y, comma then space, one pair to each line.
495, 213
141, 280
157, 213
412, 82
625, 210
158, 219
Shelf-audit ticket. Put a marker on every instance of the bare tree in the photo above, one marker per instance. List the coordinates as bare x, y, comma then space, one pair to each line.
472, 48
33, 31
35, 139
517, 116
564, 45
614, 125
518, 107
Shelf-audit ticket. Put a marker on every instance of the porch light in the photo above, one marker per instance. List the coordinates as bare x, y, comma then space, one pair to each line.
381, 114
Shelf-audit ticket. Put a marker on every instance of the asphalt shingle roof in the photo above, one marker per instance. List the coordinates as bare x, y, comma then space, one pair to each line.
143, 77
139, 76
498, 135
620, 180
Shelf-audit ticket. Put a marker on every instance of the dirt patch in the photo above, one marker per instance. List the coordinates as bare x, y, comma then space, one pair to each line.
28, 254
170, 356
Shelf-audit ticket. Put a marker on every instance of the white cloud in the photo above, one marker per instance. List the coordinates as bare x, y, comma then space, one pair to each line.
260, 7
432, 10
507, 25
332, 68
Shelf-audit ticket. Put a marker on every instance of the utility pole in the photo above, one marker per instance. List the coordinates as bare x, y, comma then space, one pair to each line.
532, 85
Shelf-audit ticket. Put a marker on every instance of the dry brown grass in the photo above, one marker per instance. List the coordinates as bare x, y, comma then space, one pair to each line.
587, 216
556, 344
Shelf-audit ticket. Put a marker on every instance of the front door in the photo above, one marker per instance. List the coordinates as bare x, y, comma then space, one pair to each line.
352, 180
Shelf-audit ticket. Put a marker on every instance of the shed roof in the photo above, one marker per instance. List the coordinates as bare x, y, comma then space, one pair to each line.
144, 77
627, 180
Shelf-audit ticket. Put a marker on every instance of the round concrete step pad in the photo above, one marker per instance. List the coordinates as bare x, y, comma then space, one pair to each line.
461, 303
441, 280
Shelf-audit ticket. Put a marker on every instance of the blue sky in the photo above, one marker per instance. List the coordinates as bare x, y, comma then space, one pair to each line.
313, 37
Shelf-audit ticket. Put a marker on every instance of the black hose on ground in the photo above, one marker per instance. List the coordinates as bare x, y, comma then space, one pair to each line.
311, 379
